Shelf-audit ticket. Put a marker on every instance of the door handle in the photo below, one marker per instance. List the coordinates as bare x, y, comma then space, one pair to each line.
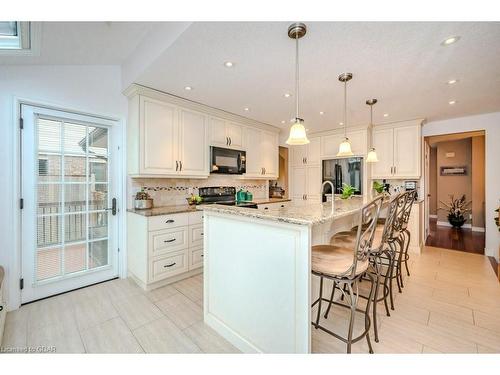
172, 240
170, 221
176, 165
169, 265
303, 160
306, 196
230, 141
180, 165
264, 170
112, 208
306, 159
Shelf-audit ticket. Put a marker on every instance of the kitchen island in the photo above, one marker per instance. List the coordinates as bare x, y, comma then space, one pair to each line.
257, 279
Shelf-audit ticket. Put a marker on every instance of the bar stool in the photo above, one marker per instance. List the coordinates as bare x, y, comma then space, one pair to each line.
405, 233
345, 267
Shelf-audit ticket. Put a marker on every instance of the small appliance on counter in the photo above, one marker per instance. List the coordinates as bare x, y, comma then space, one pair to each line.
143, 201
410, 186
227, 161
225, 195
276, 191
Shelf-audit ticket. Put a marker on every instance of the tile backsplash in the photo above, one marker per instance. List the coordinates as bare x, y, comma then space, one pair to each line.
174, 191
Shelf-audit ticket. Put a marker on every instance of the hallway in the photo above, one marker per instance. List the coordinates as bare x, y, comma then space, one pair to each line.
453, 239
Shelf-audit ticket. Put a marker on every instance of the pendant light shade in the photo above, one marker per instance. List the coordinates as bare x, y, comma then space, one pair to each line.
345, 146
298, 134
372, 154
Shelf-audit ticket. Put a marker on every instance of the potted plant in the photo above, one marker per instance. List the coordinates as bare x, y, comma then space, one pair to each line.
497, 219
143, 200
457, 208
347, 191
378, 187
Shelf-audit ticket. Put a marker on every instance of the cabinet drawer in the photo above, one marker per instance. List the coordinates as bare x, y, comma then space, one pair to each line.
196, 218
168, 266
169, 240
196, 235
167, 221
272, 206
196, 259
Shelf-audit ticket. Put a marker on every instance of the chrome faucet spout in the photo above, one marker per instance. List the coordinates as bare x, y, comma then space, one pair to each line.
333, 192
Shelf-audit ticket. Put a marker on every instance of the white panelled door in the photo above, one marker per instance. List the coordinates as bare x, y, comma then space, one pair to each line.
69, 227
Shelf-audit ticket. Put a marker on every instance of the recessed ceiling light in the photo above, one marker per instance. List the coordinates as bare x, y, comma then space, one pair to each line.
228, 64
386, 115
283, 121
321, 112
188, 88
307, 130
452, 102
452, 81
287, 94
450, 40
246, 109
341, 123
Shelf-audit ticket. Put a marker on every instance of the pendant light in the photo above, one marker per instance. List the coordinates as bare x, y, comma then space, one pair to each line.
372, 154
298, 134
345, 146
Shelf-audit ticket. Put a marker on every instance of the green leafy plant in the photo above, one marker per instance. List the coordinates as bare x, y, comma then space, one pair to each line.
142, 195
457, 208
347, 191
378, 187
194, 199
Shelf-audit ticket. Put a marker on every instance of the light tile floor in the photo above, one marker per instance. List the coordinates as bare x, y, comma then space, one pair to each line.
450, 304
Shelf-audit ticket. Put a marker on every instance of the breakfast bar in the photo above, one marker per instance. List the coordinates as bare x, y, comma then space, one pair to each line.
257, 272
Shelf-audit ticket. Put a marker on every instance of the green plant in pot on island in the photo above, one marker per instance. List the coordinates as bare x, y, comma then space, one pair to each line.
457, 208
347, 191
378, 187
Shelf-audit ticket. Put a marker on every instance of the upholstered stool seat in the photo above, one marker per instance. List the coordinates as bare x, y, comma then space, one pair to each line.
335, 260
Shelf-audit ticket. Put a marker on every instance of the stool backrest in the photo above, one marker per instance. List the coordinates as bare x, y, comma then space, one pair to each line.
410, 199
389, 232
366, 231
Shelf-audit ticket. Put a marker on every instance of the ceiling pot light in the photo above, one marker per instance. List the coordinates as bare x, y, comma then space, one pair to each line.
452, 102
345, 146
298, 134
188, 88
450, 40
283, 121
321, 113
246, 109
287, 94
341, 123
452, 81
372, 154
228, 64
386, 115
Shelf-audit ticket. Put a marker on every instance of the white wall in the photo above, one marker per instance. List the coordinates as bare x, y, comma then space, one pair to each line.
490, 123
92, 89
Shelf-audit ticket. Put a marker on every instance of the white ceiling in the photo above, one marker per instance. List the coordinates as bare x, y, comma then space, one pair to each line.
85, 43
403, 65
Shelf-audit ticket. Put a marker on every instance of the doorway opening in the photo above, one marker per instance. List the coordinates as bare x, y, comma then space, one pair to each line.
455, 191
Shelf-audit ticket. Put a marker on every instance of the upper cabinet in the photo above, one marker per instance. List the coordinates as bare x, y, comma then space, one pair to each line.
330, 143
226, 134
398, 149
307, 154
262, 153
171, 137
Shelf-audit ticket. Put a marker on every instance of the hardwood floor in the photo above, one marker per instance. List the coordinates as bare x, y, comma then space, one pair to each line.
450, 304
455, 239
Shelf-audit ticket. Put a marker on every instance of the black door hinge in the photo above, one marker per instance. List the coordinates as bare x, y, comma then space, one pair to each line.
21, 123
21, 203
21, 284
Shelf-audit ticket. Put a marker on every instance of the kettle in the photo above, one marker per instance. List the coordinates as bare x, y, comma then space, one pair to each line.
249, 196
241, 195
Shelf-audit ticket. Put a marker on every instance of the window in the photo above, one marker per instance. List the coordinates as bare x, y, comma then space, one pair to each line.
15, 35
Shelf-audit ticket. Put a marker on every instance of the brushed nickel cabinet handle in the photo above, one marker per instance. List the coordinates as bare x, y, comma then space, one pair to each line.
170, 221
176, 165
172, 240
169, 265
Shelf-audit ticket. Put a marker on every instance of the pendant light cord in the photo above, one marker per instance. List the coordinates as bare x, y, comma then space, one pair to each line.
297, 75
345, 109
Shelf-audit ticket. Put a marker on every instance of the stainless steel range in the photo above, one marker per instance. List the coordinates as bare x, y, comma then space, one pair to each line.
225, 195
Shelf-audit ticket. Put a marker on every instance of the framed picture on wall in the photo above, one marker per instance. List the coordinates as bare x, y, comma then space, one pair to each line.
453, 171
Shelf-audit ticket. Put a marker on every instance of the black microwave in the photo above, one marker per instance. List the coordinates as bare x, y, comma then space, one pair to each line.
226, 161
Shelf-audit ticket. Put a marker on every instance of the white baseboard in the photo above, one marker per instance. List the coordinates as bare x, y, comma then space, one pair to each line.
478, 229
446, 224
433, 216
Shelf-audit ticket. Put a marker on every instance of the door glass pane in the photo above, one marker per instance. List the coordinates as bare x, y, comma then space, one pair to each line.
98, 254
72, 175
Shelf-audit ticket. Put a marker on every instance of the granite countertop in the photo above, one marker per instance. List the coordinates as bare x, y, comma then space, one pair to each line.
296, 212
182, 208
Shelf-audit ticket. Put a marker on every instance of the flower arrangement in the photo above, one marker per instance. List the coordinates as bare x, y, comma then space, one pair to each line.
347, 191
457, 208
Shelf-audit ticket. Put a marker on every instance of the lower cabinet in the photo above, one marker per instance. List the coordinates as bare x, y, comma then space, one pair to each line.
163, 249
306, 183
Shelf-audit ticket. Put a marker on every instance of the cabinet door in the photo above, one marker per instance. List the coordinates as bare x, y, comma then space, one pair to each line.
254, 164
313, 182
218, 132
383, 143
159, 137
299, 183
359, 142
313, 152
407, 151
330, 145
299, 154
193, 146
269, 153
235, 134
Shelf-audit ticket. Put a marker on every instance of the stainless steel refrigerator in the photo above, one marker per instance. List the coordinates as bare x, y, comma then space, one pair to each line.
340, 171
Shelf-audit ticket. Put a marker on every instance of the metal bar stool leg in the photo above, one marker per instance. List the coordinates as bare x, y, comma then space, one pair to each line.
320, 300
331, 300
367, 315
406, 252
353, 302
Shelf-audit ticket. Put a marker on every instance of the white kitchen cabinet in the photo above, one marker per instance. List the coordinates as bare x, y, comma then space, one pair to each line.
330, 143
398, 151
262, 154
226, 134
306, 154
306, 183
299, 183
193, 150
313, 183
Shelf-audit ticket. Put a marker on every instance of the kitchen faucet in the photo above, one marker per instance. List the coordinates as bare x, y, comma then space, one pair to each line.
333, 192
